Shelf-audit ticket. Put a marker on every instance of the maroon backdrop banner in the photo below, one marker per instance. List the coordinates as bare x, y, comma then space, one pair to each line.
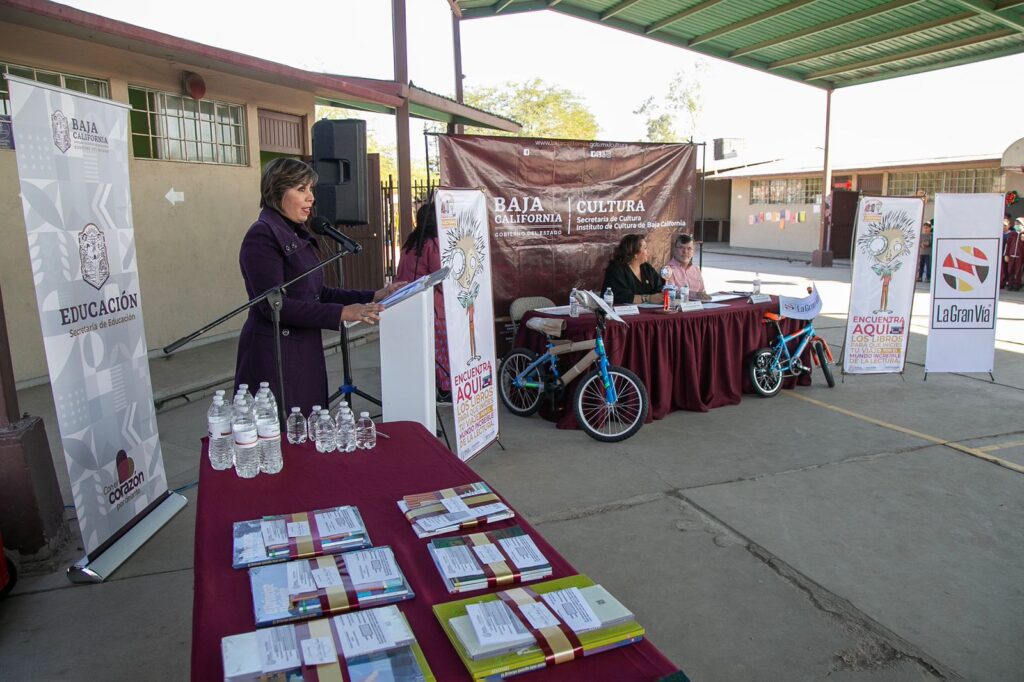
557, 208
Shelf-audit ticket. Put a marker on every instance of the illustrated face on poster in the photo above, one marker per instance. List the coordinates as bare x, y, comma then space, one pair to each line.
464, 251
888, 241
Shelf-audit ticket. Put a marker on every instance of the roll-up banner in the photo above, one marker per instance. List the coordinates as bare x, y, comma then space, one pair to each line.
72, 154
965, 283
558, 207
885, 246
469, 314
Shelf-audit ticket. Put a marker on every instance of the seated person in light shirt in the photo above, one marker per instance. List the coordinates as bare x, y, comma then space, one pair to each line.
682, 270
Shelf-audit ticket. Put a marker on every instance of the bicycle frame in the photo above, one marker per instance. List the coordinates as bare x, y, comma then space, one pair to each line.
781, 345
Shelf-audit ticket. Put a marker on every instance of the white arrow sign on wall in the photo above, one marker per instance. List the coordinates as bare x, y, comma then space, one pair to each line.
174, 197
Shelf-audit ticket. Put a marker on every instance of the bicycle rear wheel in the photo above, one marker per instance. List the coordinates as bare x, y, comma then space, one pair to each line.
605, 422
819, 350
765, 374
520, 401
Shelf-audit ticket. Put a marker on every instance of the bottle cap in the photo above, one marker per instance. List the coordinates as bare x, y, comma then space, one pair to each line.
364, 414
323, 412
316, 408
243, 387
297, 409
264, 384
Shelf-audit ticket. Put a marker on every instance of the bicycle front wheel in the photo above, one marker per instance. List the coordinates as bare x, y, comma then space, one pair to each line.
765, 373
519, 400
819, 350
606, 422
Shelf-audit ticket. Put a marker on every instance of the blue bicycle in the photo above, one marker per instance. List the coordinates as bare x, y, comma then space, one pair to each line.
767, 367
610, 402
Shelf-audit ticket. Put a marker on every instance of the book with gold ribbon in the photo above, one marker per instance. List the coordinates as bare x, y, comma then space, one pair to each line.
326, 585
298, 536
495, 558
528, 628
362, 646
462, 507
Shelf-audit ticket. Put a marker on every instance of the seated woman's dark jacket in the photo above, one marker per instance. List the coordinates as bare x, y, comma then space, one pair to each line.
625, 285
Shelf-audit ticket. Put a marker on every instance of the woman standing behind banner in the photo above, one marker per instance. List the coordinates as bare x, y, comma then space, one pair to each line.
630, 277
277, 248
421, 255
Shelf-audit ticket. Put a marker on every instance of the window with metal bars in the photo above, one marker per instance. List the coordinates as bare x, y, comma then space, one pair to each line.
786, 191
90, 86
957, 181
174, 127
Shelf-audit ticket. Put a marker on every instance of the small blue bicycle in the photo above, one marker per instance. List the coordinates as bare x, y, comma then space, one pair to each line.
767, 367
610, 402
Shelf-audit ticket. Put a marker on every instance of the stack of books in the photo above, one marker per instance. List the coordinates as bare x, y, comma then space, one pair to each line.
458, 508
298, 536
492, 559
325, 585
524, 629
363, 646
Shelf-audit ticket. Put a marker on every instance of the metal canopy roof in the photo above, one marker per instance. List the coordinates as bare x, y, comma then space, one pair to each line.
825, 43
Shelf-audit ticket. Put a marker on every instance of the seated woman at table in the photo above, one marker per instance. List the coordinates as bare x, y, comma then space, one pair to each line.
630, 277
682, 269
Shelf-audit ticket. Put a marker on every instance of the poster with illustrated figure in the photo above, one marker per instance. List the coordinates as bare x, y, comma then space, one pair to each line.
469, 313
72, 154
885, 245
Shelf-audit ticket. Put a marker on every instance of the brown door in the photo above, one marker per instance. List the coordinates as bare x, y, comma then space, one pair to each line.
844, 214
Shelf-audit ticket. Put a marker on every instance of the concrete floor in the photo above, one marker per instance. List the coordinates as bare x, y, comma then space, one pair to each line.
776, 539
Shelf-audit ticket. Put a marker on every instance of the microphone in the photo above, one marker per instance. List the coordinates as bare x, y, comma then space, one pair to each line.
322, 226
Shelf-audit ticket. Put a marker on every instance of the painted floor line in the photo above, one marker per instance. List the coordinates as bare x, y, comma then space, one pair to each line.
973, 452
1001, 446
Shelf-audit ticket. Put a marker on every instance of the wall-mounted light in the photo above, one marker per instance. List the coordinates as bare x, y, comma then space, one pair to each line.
193, 85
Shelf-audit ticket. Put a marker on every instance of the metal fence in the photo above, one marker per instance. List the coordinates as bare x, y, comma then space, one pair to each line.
421, 193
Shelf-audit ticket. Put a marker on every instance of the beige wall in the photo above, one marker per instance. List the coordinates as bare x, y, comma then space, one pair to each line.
794, 236
188, 252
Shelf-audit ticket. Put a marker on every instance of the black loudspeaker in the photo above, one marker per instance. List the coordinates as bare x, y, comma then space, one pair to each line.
339, 158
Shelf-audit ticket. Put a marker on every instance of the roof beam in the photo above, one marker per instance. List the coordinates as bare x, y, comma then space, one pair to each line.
910, 54
835, 23
456, 10
989, 10
750, 21
500, 6
874, 78
873, 40
679, 16
621, 7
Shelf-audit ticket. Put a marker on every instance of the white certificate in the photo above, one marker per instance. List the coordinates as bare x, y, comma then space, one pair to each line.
488, 554
319, 651
573, 608
494, 623
300, 578
434, 523
456, 562
370, 631
523, 552
335, 522
278, 649
275, 532
375, 565
488, 509
327, 577
539, 615
298, 529
455, 505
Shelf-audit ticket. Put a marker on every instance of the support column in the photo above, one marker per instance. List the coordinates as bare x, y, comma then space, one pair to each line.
822, 256
401, 54
457, 128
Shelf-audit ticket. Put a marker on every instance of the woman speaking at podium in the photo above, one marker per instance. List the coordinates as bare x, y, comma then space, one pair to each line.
277, 248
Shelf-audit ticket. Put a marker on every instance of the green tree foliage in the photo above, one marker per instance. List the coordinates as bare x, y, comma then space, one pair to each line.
544, 110
674, 117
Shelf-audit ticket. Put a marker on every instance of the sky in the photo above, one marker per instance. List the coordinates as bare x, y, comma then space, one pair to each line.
962, 111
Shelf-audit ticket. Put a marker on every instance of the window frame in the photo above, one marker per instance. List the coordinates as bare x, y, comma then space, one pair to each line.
103, 86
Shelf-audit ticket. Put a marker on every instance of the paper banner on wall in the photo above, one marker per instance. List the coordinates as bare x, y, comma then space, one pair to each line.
469, 314
885, 244
965, 283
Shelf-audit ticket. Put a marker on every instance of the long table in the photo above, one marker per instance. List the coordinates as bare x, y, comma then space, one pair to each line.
410, 461
688, 361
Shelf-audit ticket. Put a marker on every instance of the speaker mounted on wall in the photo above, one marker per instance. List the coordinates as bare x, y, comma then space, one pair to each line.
339, 158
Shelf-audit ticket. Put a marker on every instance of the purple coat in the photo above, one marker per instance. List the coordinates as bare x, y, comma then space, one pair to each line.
273, 252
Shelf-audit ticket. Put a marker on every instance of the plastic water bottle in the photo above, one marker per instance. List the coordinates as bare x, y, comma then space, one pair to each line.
243, 427
243, 390
574, 305
265, 389
338, 410
609, 297
311, 421
218, 423
346, 423
684, 293
366, 432
757, 283
268, 428
296, 427
325, 438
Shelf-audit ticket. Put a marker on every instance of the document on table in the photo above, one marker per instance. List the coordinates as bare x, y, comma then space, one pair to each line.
718, 298
494, 623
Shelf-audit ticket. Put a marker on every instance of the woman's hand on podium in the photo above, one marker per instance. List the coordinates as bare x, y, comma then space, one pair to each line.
362, 312
388, 290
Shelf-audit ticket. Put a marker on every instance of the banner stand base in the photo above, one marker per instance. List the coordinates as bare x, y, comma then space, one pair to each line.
101, 568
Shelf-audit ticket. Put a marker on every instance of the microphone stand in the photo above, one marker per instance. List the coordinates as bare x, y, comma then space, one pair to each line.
275, 299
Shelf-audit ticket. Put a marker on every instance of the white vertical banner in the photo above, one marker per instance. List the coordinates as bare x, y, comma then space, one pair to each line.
885, 245
72, 154
965, 283
469, 315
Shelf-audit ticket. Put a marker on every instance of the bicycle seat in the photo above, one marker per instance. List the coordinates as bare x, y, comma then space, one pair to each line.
547, 326
772, 317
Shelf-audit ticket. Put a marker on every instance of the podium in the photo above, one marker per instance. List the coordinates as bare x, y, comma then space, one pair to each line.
407, 361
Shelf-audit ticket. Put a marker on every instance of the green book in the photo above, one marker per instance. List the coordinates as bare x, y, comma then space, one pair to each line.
493, 660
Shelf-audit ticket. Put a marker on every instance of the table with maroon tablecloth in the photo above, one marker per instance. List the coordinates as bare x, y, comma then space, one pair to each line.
411, 461
688, 361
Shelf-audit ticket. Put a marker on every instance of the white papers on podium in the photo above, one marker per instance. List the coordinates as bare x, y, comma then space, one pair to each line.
410, 290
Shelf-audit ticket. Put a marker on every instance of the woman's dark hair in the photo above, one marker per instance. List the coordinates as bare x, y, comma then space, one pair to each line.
628, 248
279, 176
682, 239
426, 228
